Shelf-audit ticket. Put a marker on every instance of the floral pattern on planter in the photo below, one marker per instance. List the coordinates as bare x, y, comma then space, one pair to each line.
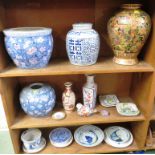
37, 99
30, 52
128, 31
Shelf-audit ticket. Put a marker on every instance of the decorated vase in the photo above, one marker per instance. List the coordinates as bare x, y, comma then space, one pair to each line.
37, 99
128, 31
68, 98
90, 92
82, 44
29, 47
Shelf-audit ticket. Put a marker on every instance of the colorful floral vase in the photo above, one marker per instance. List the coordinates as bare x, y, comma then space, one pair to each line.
37, 99
90, 92
128, 31
29, 47
68, 98
82, 44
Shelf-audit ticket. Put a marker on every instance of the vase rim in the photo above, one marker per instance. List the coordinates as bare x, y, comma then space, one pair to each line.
36, 84
82, 26
27, 31
131, 6
68, 84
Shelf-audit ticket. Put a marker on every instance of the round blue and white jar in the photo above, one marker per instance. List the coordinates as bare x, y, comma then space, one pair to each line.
82, 44
29, 47
37, 99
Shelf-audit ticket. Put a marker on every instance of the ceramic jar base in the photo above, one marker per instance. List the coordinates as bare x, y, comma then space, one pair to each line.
77, 64
127, 62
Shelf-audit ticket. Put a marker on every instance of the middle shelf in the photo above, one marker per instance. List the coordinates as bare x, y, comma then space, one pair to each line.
72, 119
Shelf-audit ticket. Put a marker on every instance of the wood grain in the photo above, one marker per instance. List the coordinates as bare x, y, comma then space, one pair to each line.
63, 67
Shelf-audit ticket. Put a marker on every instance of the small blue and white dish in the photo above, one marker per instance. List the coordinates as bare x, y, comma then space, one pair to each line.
31, 139
89, 135
60, 137
29, 47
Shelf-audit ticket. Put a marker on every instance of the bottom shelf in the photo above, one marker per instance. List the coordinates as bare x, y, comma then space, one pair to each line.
74, 148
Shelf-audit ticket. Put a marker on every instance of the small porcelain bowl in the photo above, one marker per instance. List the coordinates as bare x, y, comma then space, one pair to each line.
31, 138
29, 47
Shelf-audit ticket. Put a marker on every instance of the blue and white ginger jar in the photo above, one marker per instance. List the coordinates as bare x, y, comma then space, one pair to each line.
82, 44
37, 99
29, 47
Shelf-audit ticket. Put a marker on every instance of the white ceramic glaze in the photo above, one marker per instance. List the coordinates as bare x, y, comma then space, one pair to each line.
82, 44
58, 115
27, 31
89, 135
118, 137
41, 147
108, 100
90, 92
127, 109
31, 138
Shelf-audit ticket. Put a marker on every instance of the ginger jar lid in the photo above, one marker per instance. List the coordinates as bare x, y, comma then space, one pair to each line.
27, 31
82, 26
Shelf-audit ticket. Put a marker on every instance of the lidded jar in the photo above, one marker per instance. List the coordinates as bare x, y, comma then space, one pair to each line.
37, 99
68, 97
82, 44
128, 30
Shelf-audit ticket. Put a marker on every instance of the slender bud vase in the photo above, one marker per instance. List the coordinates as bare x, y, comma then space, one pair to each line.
128, 31
90, 92
82, 44
68, 98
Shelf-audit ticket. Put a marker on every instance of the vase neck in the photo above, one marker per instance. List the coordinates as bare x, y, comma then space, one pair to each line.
82, 26
90, 79
68, 85
131, 6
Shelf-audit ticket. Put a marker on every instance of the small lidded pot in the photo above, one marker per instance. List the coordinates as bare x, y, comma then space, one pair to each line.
31, 139
37, 99
82, 44
29, 47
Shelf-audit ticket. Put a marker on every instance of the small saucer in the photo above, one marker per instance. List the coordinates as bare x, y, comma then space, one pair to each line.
58, 115
42, 146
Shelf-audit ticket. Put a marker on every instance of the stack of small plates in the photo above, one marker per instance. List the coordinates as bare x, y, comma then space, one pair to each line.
89, 135
60, 137
118, 137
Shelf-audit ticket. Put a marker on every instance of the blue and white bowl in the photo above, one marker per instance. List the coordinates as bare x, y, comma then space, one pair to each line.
82, 44
60, 137
37, 99
31, 139
29, 47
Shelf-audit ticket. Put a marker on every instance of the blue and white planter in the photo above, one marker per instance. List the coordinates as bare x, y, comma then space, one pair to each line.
29, 47
37, 99
82, 44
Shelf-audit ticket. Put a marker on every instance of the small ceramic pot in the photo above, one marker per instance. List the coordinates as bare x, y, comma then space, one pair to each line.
31, 138
29, 47
82, 44
37, 99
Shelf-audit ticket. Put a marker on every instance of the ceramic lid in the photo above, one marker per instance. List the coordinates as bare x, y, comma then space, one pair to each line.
82, 26
89, 135
60, 135
117, 136
58, 115
27, 31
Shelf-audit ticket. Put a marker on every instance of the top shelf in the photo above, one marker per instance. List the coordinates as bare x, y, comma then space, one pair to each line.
63, 67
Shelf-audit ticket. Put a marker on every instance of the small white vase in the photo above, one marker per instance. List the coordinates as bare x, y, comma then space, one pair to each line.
90, 92
82, 44
68, 98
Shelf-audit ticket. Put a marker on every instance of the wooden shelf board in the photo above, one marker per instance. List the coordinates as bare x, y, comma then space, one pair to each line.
150, 148
72, 119
153, 114
74, 148
63, 67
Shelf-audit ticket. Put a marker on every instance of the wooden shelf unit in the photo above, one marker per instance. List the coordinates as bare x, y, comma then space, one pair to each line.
136, 82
